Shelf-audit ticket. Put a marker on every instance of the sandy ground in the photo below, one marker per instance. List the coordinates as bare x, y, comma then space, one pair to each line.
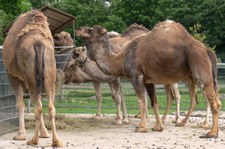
85, 132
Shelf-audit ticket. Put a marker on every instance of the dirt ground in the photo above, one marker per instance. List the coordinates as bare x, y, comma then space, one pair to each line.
85, 132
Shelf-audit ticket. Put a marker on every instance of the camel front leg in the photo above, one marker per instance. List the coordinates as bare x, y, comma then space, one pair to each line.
205, 123
116, 96
141, 94
125, 117
43, 130
193, 102
176, 95
150, 88
97, 87
168, 101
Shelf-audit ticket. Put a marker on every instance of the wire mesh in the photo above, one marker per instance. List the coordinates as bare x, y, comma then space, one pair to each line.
8, 115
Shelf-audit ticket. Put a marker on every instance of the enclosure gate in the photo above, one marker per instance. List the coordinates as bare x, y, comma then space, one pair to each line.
9, 119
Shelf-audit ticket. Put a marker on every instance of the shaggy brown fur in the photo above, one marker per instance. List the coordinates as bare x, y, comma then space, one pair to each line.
28, 55
165, 55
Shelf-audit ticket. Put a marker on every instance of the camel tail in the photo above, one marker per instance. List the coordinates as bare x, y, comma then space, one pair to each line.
213, 60
39, 65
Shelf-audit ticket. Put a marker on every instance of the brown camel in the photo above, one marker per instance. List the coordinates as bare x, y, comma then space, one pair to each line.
172, 91
28, 54
165, 55
134, 30
75, 74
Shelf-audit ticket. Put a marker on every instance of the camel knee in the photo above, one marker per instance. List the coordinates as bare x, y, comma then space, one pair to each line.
116, 98
20, 107
99, 97
214, 102
51, 110
38, 112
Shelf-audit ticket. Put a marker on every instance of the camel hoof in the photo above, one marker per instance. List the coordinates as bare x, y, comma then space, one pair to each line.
57, 143
157, 128
210, 135
117, 122
98, 116
32, 142
44, 135
205, 125
177, 121
126, 121
19, 137
141, 129
163, 119
181, 124
138, 116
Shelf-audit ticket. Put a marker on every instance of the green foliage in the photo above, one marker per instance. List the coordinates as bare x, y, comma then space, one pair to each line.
118, 14
199, 35
14, 7
9, 10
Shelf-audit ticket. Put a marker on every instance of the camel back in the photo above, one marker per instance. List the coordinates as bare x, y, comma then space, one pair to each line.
134, 28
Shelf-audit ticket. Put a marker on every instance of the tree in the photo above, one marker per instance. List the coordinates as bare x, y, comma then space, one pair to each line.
9, 10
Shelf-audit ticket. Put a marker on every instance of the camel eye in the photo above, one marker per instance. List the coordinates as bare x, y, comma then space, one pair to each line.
76, 55
90, 30
83, 49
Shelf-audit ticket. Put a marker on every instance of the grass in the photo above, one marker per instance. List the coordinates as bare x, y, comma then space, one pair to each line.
81, 99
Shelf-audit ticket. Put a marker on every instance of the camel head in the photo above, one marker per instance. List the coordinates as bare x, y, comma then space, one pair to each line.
91, 33
63, 39
36, 16
78, 57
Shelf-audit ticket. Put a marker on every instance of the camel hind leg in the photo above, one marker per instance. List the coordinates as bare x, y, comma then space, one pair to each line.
50, 91
18, 90
215, 105
36, 98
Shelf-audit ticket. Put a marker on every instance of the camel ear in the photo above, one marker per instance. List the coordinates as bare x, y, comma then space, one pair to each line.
102, 31
56, 36
84, 49
67, 36
38, 18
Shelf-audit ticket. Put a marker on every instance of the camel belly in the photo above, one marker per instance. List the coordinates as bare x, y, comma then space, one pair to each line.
165, 76
163, 80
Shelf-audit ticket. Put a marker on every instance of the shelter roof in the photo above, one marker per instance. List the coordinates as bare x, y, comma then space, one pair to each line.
57, 19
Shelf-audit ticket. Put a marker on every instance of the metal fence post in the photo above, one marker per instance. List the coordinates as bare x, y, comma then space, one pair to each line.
28, 106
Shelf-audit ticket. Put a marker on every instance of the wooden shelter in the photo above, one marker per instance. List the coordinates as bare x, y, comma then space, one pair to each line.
57, 19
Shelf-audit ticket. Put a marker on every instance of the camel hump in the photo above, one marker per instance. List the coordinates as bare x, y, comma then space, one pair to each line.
39, 65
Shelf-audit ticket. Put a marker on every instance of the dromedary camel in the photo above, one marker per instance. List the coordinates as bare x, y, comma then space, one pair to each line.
172, 91
165, 55
74, 74
134, 30
28, 55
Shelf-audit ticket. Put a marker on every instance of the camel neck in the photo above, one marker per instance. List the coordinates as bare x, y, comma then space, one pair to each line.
101, 53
